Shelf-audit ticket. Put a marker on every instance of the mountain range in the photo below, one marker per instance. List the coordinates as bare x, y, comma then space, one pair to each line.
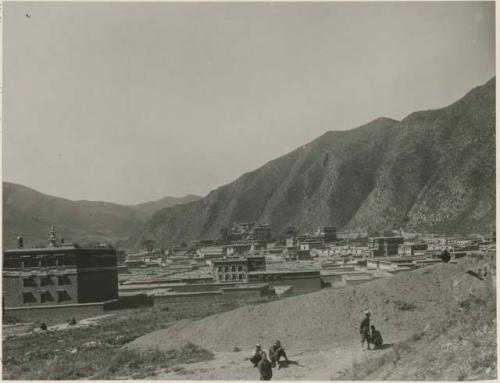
433, 171
31, 213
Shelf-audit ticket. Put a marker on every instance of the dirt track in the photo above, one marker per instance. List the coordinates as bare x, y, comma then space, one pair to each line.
320, 364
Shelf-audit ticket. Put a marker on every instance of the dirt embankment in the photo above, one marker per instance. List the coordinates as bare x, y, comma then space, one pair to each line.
401, 306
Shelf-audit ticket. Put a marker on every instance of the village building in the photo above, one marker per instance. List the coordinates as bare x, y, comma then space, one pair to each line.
412, 249
256, 262
384, 246
328, 234
230, 270
59, 274
262, 233
210, 252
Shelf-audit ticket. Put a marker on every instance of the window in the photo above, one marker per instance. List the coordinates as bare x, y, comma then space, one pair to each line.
28, 298
240, 277
29, 282
233, 268
226, 269
45, 297
46, 281
240, 268
62, 295
63, 280
234, 277
51, 261
221, 277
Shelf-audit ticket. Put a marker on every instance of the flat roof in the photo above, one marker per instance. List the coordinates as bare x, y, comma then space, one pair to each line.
59, 249
268, 272
229, 260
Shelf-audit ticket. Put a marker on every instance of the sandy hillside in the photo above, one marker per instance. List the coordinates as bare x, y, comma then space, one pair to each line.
401, 306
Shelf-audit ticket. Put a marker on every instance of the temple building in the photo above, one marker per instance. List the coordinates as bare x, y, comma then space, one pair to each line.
58, 274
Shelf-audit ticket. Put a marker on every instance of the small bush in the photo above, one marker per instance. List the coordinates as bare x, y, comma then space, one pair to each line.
405, 306
472, 304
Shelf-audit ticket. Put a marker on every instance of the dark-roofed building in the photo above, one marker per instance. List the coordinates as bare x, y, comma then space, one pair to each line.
262, 233
385, 246
328, 234
59, 275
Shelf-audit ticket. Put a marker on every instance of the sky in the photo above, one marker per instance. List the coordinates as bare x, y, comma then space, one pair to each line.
131, 102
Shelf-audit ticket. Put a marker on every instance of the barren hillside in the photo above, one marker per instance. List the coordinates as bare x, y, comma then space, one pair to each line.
424, 308
434, 171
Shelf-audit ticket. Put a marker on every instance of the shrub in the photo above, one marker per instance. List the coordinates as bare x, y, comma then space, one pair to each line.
405, 306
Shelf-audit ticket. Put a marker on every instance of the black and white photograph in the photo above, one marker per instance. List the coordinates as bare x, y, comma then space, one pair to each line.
245, 191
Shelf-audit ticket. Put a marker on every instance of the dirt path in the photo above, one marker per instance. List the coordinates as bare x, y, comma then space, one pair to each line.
319, 364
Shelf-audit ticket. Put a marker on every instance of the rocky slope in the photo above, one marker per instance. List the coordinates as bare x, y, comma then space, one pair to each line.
432, 171
31, 213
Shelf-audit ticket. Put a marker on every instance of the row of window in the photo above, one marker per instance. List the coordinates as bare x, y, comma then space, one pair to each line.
229, 268
231, 277
39, 261
48, 280
45, 296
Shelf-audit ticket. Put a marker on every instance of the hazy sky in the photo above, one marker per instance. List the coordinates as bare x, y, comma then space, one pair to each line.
129, 102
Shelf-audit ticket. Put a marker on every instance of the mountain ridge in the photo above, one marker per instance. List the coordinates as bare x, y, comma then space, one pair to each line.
31, 213
433, 171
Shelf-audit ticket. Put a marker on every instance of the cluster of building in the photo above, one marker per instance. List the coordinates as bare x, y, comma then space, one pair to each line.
246, 265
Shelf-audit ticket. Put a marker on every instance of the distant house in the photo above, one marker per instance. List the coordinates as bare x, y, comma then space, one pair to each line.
59, 275
230, 270
210, 252
384, 246
256, 262
411, 249
262, 233
328, 234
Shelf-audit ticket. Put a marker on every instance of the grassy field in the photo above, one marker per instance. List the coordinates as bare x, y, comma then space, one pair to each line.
96, 352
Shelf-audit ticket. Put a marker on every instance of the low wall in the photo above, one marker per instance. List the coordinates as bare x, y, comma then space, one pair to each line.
179, 301
59, 312
356, 281
129, 302
331, 278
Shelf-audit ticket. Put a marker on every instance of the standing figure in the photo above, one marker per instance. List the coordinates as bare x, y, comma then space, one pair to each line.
264, 366
364, 330
276, 352
257, 356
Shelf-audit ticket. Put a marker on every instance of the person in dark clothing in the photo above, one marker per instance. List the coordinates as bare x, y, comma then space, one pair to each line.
257, 356
364, 330
276, 352
445, 256
265, 369
376, 339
